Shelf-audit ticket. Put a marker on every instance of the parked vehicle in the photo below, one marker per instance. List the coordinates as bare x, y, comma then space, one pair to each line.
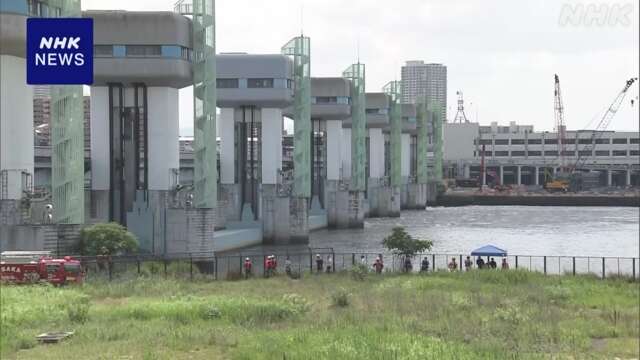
28, 267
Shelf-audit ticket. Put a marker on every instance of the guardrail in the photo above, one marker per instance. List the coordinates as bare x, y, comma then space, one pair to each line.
218, 267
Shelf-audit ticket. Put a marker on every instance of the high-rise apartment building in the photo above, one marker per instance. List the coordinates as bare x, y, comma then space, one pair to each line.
430, 80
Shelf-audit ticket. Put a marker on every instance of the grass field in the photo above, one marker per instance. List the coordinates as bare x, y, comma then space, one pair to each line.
476, 315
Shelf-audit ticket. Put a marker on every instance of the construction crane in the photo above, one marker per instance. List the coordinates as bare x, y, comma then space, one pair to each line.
603, 124
570, 177
561, 128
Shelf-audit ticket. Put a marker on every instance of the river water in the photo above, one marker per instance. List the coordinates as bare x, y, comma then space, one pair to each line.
521, 230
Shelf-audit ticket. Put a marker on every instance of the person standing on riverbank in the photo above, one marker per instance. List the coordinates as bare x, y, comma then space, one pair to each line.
468, 263
378, 265
319, 264
424, 266
493, 264
247, 268
505, 264
453, 265
480, 263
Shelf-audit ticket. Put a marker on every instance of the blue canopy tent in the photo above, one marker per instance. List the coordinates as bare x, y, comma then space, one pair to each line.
489, 250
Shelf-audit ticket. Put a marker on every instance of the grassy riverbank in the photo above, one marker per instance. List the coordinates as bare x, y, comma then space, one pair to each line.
482, 314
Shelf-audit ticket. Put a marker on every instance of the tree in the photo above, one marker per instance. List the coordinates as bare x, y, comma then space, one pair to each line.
403, 244
107, 239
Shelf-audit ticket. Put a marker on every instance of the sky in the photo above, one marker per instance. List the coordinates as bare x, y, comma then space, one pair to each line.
502, 54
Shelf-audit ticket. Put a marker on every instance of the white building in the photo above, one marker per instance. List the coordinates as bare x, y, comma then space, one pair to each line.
517, 154
420, 79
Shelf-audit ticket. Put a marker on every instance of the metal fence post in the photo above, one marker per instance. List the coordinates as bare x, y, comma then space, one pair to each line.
516, 261
165, 267
110, 267
603, 268
191, 267
460, 263
138, 264
433, 259
215, 268
353, 259
545, 265
574, 266
633, 267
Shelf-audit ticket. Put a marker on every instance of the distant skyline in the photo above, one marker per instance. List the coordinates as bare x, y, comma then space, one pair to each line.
501, 53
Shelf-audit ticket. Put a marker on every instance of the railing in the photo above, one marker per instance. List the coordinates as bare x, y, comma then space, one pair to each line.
214, 267
183, 7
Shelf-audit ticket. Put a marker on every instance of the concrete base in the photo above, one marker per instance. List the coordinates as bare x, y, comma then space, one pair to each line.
190, 230
229, 201
345, 209
432, 193
14, 212
285, 220
384, 201
60, 239
330, 194
416, 197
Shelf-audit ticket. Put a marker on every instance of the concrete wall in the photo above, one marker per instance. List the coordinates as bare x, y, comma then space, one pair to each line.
164, 148
459, 140
60, 238
16, 123
334, 149
226, 131
99, 112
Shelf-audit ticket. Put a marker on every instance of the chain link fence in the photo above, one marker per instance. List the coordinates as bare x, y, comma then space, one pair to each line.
232, 267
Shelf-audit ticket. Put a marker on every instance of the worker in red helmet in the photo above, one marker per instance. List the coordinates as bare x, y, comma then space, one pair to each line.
248, 265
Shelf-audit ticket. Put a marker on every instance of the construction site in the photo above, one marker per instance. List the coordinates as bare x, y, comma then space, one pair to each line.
515, 160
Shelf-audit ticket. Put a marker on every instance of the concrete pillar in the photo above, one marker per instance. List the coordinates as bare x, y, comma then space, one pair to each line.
537, 175
405, 168
376, 153
466, 171
226, 131
484, 176
164, 144
628, 180
519, 175
501, 175
609, 177
100, 171
345, 149
334, 149
16, 123
271, 144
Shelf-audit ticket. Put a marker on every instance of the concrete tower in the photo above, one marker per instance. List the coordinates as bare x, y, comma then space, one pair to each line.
253, 91
141, 60
16, 112
330, 107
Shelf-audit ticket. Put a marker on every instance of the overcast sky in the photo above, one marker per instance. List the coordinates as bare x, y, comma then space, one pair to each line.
501, 53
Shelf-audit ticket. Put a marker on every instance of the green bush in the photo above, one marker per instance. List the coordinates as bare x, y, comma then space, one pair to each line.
106, 239
359, 272
340, 298
403, 244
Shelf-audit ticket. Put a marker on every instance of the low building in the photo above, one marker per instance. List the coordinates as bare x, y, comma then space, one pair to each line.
519, 155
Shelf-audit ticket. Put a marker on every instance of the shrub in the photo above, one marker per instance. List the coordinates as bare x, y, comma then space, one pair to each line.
359, 272
401, 243
340, 298
106, 239
298, 303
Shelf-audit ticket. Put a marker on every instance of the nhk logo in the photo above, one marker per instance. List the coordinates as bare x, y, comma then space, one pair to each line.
59, 51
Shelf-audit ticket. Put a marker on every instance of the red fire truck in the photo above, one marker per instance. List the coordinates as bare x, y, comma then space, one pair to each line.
27, 267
